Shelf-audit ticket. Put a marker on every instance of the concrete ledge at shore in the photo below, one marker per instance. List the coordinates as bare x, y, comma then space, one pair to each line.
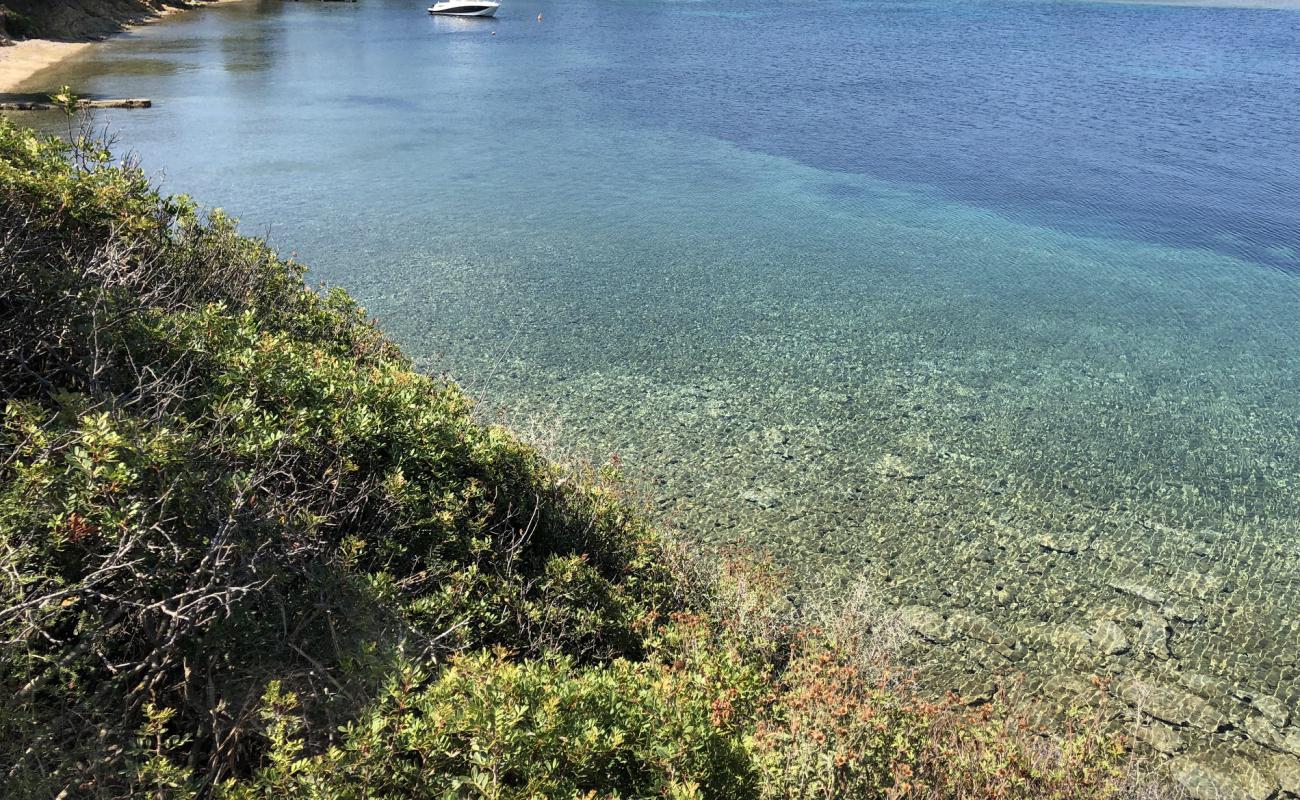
45, 105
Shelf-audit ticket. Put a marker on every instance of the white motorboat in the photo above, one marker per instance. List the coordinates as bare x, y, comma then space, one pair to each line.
465, 8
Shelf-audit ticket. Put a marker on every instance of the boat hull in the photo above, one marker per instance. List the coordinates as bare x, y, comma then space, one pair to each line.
466, 10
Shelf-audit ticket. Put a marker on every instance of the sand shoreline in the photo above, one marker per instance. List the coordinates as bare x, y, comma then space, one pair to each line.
22, 61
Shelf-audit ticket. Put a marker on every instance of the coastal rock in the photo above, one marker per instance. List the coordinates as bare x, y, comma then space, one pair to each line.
1287, 771
1161, 737
1109, 639
1153, 636
895, 468
926, 623
1071, 638
1068, 543
1172, 705
762, 497
1291, 741
1235, 779
1184, 611
1199, 585
1070, 690
775, 438
976, 689
973, 626
1273, 709
1138, 590
1204, 685
1261, 732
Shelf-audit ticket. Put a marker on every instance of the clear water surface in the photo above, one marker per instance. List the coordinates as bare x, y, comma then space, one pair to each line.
993, 302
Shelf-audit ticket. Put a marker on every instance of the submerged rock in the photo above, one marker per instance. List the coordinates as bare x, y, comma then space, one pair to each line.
1199, 585
762, 497
1291, 741
1273, 710
1184, 611
1261, 732
1161, 737
1139, 590
1204, 685
1068, 543
1153, 636
926, 623
1287, 772
973, 626
1109, 639
978, 628
1172, 705
1235, 779
891, 466
1071, 638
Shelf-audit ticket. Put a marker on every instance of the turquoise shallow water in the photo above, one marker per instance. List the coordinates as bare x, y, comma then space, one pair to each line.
994, 304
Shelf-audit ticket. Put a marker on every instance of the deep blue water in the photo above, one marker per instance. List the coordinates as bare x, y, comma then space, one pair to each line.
1168, 124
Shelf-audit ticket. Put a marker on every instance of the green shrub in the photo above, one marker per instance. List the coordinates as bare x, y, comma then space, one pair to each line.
492, 728
216, 477
17, 25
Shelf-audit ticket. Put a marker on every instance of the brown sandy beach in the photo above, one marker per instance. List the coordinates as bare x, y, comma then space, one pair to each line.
21, 61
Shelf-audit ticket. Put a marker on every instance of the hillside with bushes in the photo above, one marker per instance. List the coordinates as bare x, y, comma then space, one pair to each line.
246, 550
76, 20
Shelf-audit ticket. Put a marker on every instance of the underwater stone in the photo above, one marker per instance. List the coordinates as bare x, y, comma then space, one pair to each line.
1153, 637
763, 498
1068, 543
1171, 705
1200, 585
1273, 709
1291, 741
1235, 779
891, 466
1259, 731
1204, 685
1183, 611
977, 689
925, 622
1138, 590
1287, 771
1109, 638
976, 627
1071, 638
1161, 737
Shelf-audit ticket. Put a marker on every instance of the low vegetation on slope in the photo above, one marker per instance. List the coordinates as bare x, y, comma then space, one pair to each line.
76, 20
246, 551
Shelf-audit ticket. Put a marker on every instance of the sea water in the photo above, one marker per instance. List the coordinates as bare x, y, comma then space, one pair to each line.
992, 304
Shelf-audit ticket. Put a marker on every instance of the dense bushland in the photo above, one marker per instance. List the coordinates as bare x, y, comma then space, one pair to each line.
247, 551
